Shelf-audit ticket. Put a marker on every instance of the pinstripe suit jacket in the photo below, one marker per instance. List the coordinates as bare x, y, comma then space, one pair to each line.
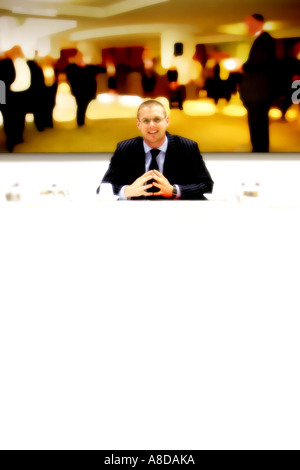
183, 166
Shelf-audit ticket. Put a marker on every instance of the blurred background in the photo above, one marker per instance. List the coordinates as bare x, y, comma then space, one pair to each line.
188, 54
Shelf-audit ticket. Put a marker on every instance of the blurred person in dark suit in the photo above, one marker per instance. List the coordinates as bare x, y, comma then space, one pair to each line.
177, 92
258, 83
157, 165
49, 102
82, 79
149, 79
36, 95
15, 73
218, 88
7, 76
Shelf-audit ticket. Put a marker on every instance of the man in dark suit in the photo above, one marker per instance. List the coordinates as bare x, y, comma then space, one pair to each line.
157, 165
258, 83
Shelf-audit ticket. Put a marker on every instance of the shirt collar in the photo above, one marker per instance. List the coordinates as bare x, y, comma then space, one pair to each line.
162, 148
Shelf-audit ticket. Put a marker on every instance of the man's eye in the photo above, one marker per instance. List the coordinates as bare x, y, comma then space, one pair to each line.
155, 120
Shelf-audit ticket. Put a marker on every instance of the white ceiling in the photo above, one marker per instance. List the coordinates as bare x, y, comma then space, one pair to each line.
142, 21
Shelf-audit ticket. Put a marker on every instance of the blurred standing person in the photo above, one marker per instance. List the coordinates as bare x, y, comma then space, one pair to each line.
257, 83
7, 76
36, 96
51, 84
17, 77
177, 92
82, 79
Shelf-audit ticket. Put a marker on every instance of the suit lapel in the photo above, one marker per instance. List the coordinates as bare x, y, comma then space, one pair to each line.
171, 154
137, 159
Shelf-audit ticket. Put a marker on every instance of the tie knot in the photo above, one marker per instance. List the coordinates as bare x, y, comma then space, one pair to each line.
154, 152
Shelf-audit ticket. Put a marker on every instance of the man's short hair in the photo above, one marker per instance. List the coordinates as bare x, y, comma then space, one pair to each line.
258, 17
150, 103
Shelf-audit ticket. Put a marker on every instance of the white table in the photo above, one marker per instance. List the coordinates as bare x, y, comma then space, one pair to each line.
141, 325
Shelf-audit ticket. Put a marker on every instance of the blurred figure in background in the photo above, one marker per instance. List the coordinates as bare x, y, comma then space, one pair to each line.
82, 79
216, 87
35, 99
258, 83
25, 93
177, 93
7, 76
51, 85
149, 79
15, 72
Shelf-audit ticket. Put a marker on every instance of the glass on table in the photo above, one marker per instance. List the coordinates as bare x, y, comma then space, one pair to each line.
249, 192
54, 192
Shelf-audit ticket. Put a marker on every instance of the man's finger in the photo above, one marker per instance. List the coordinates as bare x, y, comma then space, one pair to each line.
148, 174
159, 179
145, 176
149, 177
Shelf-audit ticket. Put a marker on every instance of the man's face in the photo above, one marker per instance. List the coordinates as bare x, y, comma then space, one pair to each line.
153, 123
